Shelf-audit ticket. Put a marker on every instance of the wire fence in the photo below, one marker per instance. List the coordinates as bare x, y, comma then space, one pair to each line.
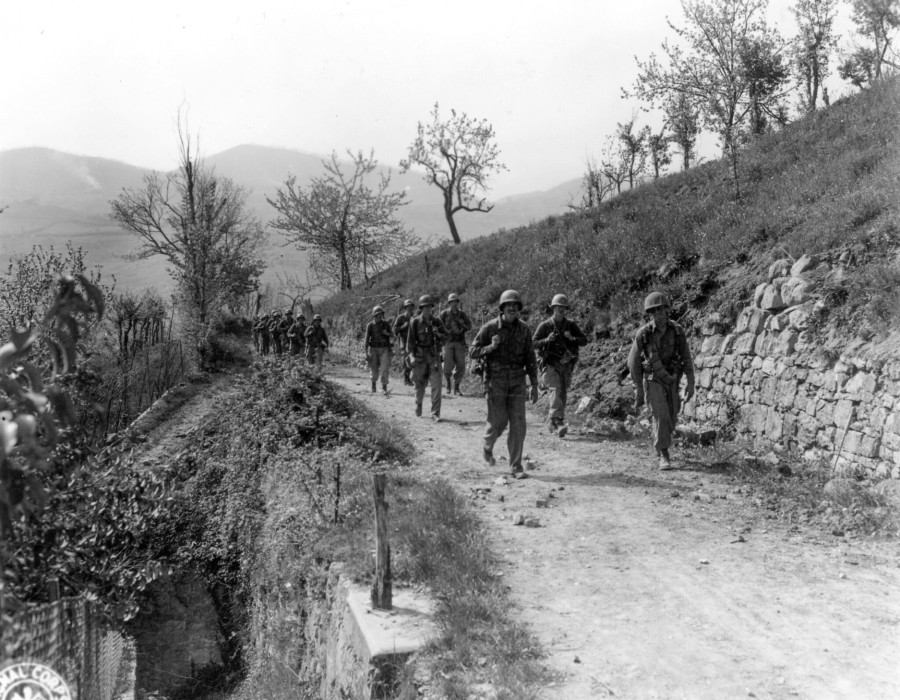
71, 638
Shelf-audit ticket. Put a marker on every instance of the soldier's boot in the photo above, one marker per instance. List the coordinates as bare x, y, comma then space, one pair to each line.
419, 410
384, 388
374, 387
448, 384
456, 389
665, 464
563, 429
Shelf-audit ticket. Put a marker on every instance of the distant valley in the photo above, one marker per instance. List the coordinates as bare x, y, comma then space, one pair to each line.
53, 197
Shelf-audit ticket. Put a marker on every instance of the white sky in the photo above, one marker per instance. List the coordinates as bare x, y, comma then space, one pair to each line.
107, 78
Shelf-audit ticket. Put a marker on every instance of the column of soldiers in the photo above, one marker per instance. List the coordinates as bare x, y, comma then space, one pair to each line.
509, 353
283, 334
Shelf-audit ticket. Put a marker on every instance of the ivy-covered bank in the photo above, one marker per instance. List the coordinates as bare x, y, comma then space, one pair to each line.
273, 488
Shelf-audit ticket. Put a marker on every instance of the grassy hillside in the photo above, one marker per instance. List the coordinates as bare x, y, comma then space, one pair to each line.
826, 183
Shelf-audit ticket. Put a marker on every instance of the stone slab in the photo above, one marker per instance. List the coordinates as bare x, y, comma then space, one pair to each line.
403, 630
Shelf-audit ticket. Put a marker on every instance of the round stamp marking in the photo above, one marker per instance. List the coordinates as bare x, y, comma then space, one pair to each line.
32, 681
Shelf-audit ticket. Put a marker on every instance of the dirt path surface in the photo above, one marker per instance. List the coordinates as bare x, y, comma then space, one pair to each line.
647, 584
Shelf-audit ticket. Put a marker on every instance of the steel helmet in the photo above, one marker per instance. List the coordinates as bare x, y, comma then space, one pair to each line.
425, 300
510, 296
317, 317
289, 312
300, 314
408, 302
560, 300
453, 297
654, 300
377, 310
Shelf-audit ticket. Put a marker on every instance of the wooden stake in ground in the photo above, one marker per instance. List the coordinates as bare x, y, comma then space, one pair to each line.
381, 589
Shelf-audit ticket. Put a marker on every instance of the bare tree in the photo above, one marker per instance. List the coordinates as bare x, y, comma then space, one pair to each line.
876, 22
594, 188
632, 149
349, 227
201, 224
458, 154
815, 42
613, 166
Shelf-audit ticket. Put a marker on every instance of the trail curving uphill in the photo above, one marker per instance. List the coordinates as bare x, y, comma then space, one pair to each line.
641, 584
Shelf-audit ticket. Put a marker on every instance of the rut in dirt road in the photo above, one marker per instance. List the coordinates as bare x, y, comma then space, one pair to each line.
642, 584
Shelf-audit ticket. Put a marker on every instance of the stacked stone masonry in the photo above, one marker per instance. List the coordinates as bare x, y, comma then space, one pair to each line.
773, 374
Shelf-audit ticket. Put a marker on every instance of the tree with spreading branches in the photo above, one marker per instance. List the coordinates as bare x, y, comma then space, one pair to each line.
876, 23
709, 66
458, 154
347, 222
201, 224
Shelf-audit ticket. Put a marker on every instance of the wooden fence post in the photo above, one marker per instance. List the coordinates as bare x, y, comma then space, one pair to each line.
381, 589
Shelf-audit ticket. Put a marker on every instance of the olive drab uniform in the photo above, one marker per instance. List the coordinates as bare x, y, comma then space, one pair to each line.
275, 333
505, 371
401, 330
557, 345
423, 346
457, 324
316, 342
658, 359
296, 335
379, 342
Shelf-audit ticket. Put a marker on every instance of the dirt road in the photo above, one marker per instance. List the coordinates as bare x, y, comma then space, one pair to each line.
647, 584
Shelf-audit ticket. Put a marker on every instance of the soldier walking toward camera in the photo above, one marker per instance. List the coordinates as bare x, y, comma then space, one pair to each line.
658, 358
556, 341
378, 342
283, 327
296, 335
505, 344
457, 324
316, 342
423, 347
401, 330
275, 333
264, 337
254, 330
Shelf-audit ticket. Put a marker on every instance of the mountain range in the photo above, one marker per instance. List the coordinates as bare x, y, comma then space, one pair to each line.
51, 197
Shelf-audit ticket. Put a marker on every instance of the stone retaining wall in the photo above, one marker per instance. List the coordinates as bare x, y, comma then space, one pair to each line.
782, 383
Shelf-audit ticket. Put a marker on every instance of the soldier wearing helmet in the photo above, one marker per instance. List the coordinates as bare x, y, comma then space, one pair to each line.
378, 343
424, 339
296, 335
401, 330
659, 356
508, 353
557, 341
316, 342
457, 324
275, 337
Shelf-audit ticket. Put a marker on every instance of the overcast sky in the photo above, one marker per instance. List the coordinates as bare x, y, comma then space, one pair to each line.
108, 78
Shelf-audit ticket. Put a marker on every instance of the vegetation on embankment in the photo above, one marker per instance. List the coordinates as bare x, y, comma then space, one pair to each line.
825, 184
275, 487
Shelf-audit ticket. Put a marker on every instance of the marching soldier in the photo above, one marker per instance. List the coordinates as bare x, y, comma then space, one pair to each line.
658, 357
275, 332
283, 327
264, 337
457, 324
401, 330
505, 344
423, 347
378, 342
254, 330
316, 342
296, 335
556, 341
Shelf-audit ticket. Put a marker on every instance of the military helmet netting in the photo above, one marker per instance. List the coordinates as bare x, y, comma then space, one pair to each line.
317, 317
408, 302
560, 300
510, 296
654, 300
377, 310
453, 297
425, 300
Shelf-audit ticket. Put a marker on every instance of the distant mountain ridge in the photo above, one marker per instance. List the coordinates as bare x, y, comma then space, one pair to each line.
53, 197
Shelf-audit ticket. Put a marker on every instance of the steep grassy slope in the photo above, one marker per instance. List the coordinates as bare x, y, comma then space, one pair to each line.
827, 182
